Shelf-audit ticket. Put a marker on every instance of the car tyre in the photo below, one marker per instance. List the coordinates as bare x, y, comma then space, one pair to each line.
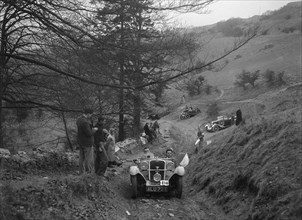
178, 190
134, 187
215, 128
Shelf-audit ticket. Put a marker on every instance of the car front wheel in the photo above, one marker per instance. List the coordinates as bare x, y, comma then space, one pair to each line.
215, 128
134, 187
178, 190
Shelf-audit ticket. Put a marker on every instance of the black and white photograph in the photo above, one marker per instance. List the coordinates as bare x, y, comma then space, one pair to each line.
150, 109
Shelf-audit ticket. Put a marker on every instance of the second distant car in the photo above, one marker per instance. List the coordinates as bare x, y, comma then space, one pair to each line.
222, 122
153, 117
188, 113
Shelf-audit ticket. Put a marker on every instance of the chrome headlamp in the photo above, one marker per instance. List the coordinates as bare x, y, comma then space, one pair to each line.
170, 166
143, 165
156, 177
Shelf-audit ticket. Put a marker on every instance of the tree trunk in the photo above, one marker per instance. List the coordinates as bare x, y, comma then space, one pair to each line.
121, 133
66, 131
1, 98
137, 113
3, 42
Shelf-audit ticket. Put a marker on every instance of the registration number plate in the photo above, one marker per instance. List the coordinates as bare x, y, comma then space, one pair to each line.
164, 183
156, 189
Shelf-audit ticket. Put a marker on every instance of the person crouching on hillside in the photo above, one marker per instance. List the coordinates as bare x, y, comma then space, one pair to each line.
110, 146
200, 136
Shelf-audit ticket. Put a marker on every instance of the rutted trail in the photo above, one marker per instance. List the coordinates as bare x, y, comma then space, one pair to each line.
159, 206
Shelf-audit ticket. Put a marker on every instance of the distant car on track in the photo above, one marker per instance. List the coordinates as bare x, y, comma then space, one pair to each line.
188, 113
222, 122
153, 117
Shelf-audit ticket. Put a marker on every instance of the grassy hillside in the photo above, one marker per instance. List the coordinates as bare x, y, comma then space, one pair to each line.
254, 170
276, 52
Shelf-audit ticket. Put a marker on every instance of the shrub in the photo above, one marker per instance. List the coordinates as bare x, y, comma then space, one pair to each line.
237, 57
265, 32
268, 46
230, 28
272, 78
194, 86
247, 78
208, 89
287, 17
158, 90
288, 30
39, 113
269, 77
279, 78
21, 114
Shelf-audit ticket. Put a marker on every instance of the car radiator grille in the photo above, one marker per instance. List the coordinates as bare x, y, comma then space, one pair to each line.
153, 169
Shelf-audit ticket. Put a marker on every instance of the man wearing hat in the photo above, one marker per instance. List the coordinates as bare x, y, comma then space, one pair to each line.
101, 158
86, 141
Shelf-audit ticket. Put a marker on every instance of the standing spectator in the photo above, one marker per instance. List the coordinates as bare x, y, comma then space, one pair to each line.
86, 141
156, 128
200, 136
232, 119
183, 99
148, 132
238, 117
101, 158
110, 145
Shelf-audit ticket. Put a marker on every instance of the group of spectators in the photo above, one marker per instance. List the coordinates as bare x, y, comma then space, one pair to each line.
96, 145
151, 131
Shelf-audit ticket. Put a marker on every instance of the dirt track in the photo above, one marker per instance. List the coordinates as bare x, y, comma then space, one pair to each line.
159, 206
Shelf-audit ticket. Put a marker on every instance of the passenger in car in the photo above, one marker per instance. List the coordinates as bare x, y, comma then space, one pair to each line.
170, 154
147, 153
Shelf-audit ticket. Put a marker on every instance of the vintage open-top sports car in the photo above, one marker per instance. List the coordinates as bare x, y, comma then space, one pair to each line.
156, 175
222, 122
188, 113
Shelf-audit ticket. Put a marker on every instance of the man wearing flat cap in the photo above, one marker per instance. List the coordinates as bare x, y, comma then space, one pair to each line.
101, 156
86, 141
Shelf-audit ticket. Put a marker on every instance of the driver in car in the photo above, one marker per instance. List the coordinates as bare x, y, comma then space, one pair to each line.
147, 153
169, 153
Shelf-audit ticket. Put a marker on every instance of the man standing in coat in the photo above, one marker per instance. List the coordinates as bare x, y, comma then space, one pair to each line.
101, 156
148, 132
238, 117
86, 141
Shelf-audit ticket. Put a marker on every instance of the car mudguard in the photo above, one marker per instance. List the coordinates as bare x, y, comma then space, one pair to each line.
179, 171
134, 170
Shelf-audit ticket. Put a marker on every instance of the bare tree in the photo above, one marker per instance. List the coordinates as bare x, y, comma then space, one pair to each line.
48, 44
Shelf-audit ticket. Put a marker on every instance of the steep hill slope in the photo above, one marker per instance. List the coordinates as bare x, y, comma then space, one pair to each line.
254, 170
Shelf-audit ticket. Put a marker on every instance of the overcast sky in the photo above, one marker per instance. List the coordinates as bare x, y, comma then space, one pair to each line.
225, 9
